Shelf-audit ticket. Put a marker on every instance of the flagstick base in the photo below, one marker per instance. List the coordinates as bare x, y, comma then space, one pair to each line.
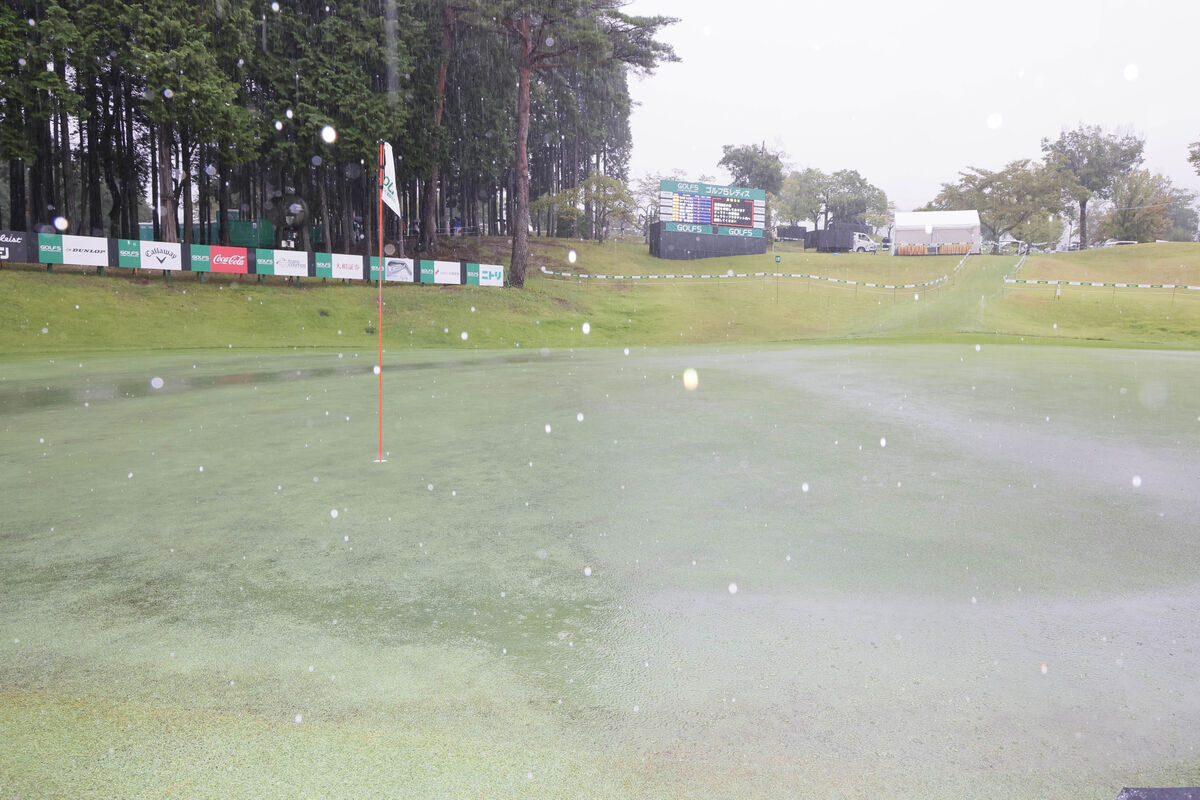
381, 461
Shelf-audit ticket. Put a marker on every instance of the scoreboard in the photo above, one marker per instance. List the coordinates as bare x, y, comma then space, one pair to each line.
704, 208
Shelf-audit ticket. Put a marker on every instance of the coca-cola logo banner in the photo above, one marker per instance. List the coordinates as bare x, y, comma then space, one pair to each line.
228, 259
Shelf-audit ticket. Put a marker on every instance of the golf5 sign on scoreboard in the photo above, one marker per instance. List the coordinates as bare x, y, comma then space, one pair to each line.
692, 207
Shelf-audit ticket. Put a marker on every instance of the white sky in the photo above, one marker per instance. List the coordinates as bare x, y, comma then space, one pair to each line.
910, 93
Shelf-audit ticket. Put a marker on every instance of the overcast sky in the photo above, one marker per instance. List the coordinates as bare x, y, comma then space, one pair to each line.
910, 93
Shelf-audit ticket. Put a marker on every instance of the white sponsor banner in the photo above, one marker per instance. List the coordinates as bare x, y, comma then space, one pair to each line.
398, 269
291, 262
89, 251
161, 255
491, 275
345, 266
447, 272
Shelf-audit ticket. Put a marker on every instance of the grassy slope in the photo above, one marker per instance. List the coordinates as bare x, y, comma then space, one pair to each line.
128, 312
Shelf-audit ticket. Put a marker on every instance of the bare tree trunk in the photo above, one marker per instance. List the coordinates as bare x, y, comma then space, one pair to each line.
520, 251
1083, 242
169, 225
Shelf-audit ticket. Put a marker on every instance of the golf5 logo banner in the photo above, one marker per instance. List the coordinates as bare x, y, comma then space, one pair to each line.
161, 255
127, 254
17, 246
50, 248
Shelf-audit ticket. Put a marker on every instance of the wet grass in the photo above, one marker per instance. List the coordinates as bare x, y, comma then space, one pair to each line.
502, 611
70, 313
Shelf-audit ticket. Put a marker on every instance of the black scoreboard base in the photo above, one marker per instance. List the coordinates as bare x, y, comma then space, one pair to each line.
679, 246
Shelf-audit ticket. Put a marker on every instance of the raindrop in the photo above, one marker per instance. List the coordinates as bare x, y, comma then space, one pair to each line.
430, 487
587, 328
289, 113
130, 475
978, 348
994, 121
804, 487
928, 229
202, 468
626, 351
299, 718
333, 512
549, 41
168, 93
572, 256
690, 379
274, 6
376, 369
1044, 669
579, 417
210, 170
587, 572
733, 588
156, 382
547, 428
883, 442
1137, 481
328, 134
316, 161
61, 223
1131, 72
464, 336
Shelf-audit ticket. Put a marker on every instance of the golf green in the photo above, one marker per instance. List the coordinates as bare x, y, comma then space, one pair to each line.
926, 571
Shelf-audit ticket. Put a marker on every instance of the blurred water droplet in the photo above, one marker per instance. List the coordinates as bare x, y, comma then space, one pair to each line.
579, 417
328, 134
572, 256
1137, 481
547, 429
1131, 72
156, 382
804, 487
464, 336
587, 572
994, 121
333, 512
299, 719
168, 93
882, 442
61, 223
587, 328
733, 588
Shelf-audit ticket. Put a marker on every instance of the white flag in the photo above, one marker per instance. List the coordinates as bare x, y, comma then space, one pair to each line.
388, 190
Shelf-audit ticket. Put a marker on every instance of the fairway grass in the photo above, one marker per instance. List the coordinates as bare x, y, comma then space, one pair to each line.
959, 572
66, 313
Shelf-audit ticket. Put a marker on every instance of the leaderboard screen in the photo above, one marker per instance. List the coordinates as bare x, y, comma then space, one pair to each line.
693, 207
733, 212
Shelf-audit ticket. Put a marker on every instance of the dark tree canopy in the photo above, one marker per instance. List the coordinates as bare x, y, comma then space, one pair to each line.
753, 166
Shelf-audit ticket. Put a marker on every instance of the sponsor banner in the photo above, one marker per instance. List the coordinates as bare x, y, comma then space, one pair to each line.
748, 233
710, 190
396, 269
491, 275
50, 248
447, 272
91, 251
687, 227
128, 254
228, 259
472, 274
293, 263
426, 271
161, 255
17, 246
198, 258
346, 266
264, 261
324, 262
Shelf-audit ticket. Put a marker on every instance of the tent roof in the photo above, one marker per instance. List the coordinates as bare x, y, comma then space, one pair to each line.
937, 219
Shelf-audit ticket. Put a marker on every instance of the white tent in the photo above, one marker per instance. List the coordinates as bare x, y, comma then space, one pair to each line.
936, 232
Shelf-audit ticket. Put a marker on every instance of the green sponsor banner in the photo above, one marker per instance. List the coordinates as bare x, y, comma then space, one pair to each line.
688, 227
50, 248
264, 261
199, 258
711, 190
743, 233
721, 230
427, 271
324, 265
472, 274
129, 253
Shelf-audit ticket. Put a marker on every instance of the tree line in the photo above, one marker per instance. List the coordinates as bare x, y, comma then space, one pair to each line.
193, 113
